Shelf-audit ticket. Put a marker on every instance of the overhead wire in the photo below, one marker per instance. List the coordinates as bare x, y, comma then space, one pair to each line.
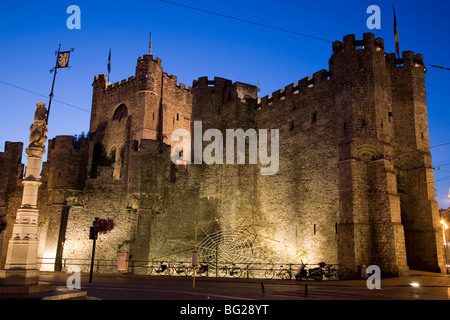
41, 95
268, 26
247, 21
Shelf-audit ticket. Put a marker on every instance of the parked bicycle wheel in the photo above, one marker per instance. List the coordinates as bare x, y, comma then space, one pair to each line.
169, 271
179, 270
285, 274
317, 275
188, 271
149, 270
331, 274
202, 270
237, 272
269, 274
222, 272
162, 270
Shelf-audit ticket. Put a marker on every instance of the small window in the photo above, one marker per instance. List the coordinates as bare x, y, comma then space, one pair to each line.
172, 173
314, 117
135, 146
314, 229
291, 126
178, 116
112, 154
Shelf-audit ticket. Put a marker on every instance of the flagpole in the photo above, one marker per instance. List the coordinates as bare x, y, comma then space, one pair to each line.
109, 62
53, 83
150, 43
397, 45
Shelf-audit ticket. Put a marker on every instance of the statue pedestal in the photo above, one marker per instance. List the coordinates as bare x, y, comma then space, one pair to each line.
20, 273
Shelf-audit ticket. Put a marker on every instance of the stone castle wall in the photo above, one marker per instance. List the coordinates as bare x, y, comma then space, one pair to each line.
354, 184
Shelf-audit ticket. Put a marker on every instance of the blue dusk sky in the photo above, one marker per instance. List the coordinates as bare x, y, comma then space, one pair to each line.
192, 44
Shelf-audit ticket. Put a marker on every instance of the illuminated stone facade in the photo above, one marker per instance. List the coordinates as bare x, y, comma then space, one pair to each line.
354, 186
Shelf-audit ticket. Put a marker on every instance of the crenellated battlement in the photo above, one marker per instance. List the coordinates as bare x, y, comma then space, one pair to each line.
12, 148
171, 81
67, 144
371, 44
409, 59
123, 83
319, 79
217, 83
148, 76
149, 58
350, 44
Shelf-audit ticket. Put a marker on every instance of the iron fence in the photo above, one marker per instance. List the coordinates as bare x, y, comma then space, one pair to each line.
261, 270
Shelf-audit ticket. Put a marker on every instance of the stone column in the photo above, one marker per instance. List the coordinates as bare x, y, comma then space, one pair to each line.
21, 259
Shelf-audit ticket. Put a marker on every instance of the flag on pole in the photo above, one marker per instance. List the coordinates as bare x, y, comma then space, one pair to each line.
63, 59
397, 45
109, 61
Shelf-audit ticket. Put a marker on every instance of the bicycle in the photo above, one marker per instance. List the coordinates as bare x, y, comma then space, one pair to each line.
234, 271
149, 270
164, 269
183, 270
202, 270
282, 273
331, 273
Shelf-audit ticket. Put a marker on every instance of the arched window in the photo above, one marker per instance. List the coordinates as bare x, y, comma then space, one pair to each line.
112, 154
120, 113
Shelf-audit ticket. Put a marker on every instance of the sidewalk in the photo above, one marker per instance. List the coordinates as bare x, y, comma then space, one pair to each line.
431, 286
423, 278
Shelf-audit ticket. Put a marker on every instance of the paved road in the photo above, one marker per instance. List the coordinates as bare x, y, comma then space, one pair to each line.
134, 287
175, 298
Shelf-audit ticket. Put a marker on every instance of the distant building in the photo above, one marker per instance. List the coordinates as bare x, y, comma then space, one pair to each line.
445, 224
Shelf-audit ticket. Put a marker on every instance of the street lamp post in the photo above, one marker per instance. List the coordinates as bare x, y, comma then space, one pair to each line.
93, 236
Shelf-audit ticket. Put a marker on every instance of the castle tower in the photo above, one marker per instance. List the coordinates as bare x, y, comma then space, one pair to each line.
149, 105
370, 225
388, 215
412, 159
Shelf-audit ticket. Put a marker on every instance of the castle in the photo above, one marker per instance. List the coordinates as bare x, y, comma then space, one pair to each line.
354, 186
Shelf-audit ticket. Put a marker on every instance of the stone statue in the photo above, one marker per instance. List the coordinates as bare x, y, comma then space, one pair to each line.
39, 128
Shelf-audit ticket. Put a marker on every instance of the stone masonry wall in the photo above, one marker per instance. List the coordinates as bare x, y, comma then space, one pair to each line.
354, 184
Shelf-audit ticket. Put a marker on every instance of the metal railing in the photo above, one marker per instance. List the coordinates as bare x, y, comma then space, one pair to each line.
284, 271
